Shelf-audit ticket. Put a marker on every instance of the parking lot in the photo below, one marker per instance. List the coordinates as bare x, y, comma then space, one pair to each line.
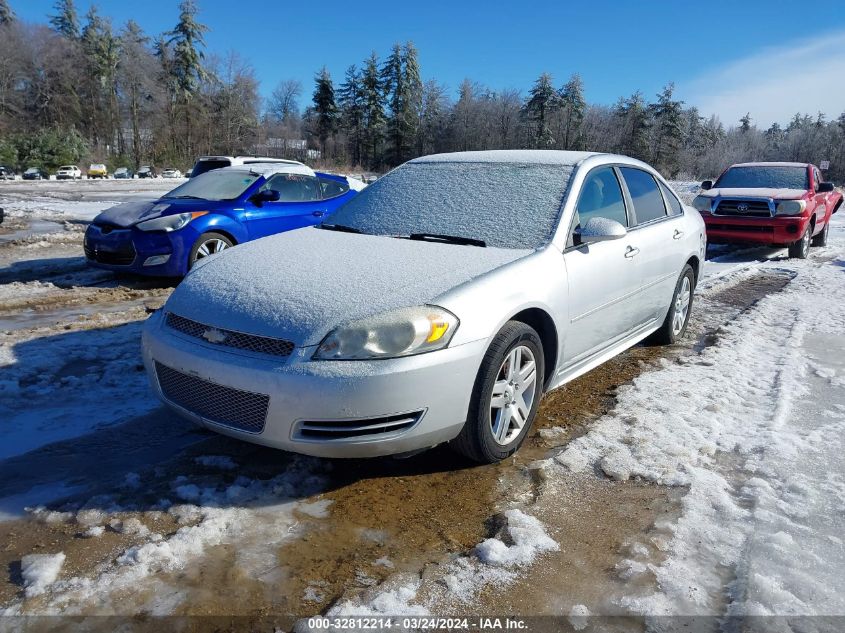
668, 479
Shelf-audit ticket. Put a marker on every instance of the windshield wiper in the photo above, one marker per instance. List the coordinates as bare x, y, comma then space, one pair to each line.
451, 239
339, 227
187, 197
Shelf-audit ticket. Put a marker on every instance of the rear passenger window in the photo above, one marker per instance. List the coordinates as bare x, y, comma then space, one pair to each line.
332, 188
675, 207
601, 197
648, 203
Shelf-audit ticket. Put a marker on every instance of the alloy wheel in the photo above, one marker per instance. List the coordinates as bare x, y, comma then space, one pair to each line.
513, 395
211, 247
682, 302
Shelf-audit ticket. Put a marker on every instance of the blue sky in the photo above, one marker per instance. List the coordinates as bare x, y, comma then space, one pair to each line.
771, 58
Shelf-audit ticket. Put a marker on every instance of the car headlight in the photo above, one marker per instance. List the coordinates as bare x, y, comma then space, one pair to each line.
169, 222
403, 332
791, 207
702, 203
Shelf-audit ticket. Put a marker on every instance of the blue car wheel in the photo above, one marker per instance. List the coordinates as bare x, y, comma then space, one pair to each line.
207, 245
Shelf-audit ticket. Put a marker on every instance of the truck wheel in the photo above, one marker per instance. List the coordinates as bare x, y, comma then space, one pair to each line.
801, 248
505, 396
821, 238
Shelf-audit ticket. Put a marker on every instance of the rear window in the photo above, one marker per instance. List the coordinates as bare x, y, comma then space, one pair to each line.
203, 166
764, 177
332, 188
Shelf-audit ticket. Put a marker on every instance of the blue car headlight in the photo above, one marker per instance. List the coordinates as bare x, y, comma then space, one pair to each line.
169, 223
403, 332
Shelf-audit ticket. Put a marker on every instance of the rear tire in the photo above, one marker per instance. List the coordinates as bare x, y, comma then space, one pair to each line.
505, 396
821, 238
207, 245
801, 248
675, 324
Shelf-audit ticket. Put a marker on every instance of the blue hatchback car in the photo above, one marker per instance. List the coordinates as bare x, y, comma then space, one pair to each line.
212, 212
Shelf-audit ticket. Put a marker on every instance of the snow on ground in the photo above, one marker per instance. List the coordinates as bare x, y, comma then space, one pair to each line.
39, 571
752, 430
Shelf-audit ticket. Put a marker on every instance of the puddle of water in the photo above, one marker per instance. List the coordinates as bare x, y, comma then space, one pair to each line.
36, 227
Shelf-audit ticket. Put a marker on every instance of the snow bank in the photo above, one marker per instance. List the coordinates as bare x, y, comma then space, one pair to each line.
39, 571
673, 426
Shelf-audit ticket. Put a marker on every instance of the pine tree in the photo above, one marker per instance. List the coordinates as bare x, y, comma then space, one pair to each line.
395, 89
133, 49
65, 22
351, 101
325, 108
543, 100
412, 108
668, 118
633, 114
573, 106
187, 39
101, 55
373, 114
7, 16
745, 123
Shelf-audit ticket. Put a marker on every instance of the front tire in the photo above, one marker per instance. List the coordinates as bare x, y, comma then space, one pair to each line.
675, 324
505, 396
821, 238
801, 248
207, 245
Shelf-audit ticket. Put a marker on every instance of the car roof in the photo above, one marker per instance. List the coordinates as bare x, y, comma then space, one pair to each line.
771, 164
252, 159
526, 156
268, 169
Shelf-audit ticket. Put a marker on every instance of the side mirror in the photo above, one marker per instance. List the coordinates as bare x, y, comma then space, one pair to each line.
266, 195
707, 184
600, 230
824, 187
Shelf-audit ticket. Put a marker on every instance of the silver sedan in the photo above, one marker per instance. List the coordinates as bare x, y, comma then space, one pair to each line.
439, 305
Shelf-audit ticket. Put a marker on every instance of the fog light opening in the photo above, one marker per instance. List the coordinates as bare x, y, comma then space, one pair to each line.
792, 229
156, 260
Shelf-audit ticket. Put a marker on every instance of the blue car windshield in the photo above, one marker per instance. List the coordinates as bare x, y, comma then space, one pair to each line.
216, 185
764, 177
506, 205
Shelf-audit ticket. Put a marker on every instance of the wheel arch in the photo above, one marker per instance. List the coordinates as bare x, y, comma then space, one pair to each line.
544, 325
695, 263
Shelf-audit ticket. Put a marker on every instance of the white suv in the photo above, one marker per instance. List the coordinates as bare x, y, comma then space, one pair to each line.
69, 172
207, 163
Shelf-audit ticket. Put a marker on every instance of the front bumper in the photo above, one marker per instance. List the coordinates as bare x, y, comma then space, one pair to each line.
779, 231
127, 249
437, 385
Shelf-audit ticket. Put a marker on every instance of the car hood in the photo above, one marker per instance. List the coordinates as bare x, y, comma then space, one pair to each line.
755, 192
301, 284
130, 213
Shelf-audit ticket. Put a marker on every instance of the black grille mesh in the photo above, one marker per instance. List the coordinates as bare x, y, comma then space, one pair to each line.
230, 338
243, 410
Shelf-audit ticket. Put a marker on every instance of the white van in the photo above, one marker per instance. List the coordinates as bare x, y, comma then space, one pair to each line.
207, 163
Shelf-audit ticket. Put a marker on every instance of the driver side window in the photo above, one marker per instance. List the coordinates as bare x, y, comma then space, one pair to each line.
601, 197
294, 187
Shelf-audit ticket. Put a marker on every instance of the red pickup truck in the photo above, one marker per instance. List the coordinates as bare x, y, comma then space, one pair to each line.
782, 204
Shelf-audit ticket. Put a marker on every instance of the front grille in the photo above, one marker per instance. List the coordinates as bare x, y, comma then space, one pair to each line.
229, 338
122, 256
348, 429
744, 208
741, 228
242, 410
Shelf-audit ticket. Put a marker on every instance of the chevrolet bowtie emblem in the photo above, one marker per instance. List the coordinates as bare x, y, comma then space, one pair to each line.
213, 335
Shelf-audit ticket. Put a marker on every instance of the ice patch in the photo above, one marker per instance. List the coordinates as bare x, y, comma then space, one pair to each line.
39, 571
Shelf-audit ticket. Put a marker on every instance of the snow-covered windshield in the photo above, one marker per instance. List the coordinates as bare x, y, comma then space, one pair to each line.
507, 205
764, 177
215, 185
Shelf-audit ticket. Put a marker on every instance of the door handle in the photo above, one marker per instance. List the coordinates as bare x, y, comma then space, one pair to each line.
677, 234
318, 214
631, 251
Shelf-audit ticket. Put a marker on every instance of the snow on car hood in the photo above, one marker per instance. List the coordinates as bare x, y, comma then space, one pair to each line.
755, 192
126, 214
302, 284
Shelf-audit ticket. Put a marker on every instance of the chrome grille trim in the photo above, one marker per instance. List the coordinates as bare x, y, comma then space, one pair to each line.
344, 429
235, 408
229, 338
752, 208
